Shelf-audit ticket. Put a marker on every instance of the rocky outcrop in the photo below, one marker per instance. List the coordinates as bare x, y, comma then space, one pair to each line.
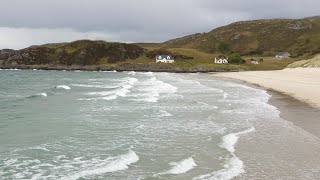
82, 52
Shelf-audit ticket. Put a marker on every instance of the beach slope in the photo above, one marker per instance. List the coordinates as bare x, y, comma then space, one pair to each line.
301, 83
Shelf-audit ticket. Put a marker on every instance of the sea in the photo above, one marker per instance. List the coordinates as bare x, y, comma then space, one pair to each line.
70, 125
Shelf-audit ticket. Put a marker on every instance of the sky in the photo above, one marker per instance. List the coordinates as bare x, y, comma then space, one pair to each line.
32, 22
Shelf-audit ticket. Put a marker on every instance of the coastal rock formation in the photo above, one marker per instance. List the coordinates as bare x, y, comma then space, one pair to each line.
82, 52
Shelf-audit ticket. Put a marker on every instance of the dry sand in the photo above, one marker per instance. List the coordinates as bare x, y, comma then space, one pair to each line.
301, 83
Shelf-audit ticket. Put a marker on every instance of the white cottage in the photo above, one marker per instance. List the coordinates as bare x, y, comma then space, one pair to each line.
255, 62
165, 58
221, 60
283, 55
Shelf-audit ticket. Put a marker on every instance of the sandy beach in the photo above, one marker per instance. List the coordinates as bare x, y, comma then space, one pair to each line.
300, 83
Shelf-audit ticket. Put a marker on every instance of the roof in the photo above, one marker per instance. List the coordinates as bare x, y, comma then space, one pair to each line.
160, 57
282, 53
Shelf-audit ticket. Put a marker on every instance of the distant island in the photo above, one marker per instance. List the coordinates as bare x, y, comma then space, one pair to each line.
250, 45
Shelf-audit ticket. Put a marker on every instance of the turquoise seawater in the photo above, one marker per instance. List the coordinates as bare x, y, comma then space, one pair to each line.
131, 125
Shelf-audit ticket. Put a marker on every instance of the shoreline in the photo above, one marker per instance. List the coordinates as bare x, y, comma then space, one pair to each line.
300, 83
136, 68
301, 113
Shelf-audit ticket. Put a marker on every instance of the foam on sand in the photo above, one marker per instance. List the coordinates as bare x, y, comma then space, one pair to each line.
113, 164
181, 167
63, 87
234, 166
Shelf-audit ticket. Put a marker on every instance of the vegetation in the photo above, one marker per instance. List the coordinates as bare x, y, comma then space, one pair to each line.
236, 59
258, 37
313, 63
242, 42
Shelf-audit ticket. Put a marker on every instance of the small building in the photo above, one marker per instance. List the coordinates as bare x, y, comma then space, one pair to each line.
165, 59
221, 60
254, 62
283, 55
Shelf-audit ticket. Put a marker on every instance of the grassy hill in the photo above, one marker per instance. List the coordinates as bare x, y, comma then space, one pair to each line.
309, 63
82, 52
257, 37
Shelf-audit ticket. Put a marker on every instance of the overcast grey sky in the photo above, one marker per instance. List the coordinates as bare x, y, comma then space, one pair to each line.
28, 22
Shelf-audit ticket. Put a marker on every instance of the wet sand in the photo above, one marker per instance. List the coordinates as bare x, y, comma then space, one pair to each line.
295, 92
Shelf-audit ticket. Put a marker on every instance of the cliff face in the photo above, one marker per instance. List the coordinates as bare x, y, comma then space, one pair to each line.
82, 52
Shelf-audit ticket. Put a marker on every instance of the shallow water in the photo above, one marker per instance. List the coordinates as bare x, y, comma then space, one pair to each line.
130, 125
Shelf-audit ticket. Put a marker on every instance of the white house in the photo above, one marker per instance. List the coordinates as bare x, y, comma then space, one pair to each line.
165, 58
283, 55
221, 60
255, 62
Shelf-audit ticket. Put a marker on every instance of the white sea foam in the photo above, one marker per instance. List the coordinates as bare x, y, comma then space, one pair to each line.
208, 105
234, 166
109, 71
151, 89
181, 167
163, 113
132, 73
42, 94
121, 91
63, 87
119, 163
107, 98
94, 86
232, 169
229, 141
225, 95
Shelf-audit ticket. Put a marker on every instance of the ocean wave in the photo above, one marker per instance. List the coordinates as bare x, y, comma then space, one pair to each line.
94, 86
119, 163
207, 105
109, 71
229, 141
181, 167
107, 98
132, 73
232, 169
121, 91
163, 113
234, 166
151, 89
63, 87
42, 94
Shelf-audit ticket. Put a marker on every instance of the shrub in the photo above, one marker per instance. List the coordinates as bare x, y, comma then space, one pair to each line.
236, 59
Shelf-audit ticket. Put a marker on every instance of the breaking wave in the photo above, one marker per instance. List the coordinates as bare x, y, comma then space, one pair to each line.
113, 164
41, 95
234, 166
150, 90
63, 87
121, 91
181, 167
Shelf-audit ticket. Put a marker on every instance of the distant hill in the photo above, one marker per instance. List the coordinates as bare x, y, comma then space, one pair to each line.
257, 37
82, 52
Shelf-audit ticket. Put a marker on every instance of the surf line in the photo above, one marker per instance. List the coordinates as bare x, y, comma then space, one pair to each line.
234, 166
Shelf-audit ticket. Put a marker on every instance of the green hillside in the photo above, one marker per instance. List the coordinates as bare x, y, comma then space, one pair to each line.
258, 37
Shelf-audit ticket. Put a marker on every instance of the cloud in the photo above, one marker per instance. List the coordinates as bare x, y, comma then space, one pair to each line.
132, 20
